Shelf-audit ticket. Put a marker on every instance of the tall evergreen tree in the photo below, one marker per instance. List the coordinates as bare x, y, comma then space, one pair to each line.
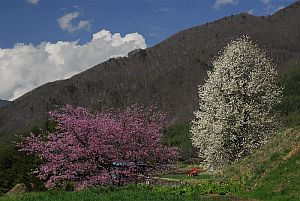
236, 108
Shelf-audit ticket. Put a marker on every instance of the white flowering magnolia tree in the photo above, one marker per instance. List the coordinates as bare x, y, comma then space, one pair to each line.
236, 108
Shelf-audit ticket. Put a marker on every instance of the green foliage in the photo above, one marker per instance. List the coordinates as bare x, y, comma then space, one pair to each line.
185, 176
15, 167
290, 106
178, 135
128, 193
40, 127
44, 126
281, 183
207, 187
271, 172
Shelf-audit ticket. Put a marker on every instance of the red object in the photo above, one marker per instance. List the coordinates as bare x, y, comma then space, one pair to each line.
193, 172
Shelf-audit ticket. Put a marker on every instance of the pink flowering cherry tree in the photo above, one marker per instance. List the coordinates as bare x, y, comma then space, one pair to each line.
103, 148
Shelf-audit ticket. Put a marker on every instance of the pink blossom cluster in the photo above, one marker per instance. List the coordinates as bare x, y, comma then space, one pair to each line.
103, 148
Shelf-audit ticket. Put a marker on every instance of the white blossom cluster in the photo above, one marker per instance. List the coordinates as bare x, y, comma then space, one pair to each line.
236, 108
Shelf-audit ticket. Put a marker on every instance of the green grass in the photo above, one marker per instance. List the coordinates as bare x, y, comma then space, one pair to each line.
281, 183
185, 176
272, 172
117, 194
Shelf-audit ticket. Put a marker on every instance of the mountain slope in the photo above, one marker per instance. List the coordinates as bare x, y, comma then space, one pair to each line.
167, 74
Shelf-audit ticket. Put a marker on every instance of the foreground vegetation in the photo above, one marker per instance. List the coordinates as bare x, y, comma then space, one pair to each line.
15, 167
141, 193
290, 106
270, 173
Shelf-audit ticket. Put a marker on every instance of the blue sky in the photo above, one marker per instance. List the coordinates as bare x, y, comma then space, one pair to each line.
35, 22
47, 40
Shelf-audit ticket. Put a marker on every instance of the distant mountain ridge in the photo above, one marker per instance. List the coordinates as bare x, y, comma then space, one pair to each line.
167, 74
3, 103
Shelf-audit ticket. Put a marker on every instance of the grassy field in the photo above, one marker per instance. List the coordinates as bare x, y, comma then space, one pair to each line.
118, 194
185, 176
272, 172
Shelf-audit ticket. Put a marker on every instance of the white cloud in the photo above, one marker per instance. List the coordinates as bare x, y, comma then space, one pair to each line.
251, 11
65, 22
25, 67
219, 3
33, 1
